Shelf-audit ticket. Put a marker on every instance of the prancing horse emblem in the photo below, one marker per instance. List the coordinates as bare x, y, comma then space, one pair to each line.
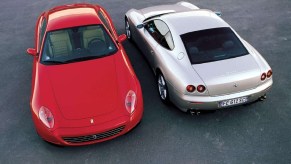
91, 120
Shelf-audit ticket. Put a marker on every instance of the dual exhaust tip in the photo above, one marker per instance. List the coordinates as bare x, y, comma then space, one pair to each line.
262, 98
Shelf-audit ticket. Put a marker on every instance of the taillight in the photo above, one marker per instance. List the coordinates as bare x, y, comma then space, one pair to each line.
263, 76
201, 88
190, 88
269, 73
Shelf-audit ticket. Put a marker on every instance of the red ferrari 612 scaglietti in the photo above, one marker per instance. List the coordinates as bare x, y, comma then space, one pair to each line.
84, 89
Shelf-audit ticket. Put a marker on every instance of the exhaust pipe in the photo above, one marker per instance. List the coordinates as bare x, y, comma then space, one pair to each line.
262, 98
194, 112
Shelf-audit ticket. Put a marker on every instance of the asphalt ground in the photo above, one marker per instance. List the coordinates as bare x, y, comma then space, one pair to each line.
256, 133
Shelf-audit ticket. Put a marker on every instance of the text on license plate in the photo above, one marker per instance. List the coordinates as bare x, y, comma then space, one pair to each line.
234, 101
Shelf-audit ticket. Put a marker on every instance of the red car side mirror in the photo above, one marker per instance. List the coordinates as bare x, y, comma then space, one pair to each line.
121, 38
31, 51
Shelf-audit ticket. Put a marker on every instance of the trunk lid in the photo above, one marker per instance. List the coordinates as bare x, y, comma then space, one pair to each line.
229, 76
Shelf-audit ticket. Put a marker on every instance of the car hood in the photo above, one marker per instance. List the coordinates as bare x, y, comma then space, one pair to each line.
229, 76
85, 89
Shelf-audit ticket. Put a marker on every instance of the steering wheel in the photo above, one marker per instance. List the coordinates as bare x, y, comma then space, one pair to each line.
96, 45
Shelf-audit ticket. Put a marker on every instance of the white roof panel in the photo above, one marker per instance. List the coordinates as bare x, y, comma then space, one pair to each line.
196, 20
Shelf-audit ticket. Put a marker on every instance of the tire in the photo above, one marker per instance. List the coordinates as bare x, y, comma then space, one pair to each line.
163, 89
127, 30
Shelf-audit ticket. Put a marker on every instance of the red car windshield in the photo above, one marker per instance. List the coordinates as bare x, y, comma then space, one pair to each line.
77, 44
212, 45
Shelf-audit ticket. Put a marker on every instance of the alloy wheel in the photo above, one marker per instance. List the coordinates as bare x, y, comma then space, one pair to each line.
127, 29
163, 91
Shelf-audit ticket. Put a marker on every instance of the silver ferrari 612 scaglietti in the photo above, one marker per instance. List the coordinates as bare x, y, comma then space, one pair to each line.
200, 62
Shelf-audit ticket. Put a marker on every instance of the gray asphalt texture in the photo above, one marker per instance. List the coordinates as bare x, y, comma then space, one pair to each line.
256, 133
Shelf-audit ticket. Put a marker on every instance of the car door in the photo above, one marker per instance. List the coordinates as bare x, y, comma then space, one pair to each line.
147, 43
156, 34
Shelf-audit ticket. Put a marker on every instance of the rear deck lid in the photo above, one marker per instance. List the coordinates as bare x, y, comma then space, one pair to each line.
229, 76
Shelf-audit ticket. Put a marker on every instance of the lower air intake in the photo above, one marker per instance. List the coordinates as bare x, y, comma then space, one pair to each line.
94, 137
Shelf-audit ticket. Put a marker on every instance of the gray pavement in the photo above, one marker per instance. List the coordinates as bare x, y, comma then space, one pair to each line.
256, 133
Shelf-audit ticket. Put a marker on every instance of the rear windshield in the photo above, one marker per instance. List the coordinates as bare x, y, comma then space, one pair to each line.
212, 45
77, 44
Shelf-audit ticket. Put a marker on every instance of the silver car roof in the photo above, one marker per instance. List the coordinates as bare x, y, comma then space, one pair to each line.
162, 9
195, 20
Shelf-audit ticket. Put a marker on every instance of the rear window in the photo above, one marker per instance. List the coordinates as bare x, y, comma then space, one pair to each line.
212, 45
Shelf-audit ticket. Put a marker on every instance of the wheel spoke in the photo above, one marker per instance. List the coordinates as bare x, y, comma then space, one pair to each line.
127, 28
162, 87
163, 81
165, 93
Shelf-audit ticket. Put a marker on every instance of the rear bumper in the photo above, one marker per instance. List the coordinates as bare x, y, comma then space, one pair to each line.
107, 130
188, 102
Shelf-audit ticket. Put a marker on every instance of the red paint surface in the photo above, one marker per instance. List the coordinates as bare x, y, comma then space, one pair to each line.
77, 92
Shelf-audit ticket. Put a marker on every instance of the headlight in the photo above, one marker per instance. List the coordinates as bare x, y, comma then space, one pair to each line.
130, 101
46, 116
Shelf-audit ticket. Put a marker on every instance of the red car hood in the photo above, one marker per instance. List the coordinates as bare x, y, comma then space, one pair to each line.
85, 89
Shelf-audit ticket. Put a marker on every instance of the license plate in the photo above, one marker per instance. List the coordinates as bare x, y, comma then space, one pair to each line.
234, 101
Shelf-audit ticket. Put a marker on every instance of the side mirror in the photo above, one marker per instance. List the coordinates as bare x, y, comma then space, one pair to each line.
31, 51
121, 38
218, 13
140, 26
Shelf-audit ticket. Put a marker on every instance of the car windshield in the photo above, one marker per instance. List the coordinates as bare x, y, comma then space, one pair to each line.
212, 45
77, 44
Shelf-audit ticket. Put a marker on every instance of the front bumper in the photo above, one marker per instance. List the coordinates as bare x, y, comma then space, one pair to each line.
188, 102
85, 135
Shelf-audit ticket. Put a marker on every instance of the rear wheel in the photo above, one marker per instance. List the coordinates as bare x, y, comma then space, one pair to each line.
162, 88
127, 29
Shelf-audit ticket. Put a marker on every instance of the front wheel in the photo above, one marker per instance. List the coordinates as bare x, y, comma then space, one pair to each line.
163, 89
127, 29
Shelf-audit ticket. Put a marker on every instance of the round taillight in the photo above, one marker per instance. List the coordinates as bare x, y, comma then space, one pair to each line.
269, 73
263, 76
201, 88
190, 88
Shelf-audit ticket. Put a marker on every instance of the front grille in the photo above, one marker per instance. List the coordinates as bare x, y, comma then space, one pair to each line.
94, 137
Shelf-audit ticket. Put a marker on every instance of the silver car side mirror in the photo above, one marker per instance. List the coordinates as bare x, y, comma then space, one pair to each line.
218, 13
139, 26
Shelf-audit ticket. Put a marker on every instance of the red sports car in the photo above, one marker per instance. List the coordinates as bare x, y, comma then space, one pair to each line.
84, 89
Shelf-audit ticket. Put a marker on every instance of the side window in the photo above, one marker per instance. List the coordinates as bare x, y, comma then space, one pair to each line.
161, 33
41, 32
105, 21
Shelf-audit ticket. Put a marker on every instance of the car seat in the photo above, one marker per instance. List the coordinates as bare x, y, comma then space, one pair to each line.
60, 43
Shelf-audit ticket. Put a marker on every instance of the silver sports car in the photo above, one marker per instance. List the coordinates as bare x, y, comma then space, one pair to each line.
200, 62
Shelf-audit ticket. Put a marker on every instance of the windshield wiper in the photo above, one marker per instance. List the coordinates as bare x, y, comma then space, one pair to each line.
54, 62
84, 58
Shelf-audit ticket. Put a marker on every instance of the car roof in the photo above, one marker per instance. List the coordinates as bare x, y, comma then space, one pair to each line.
67, 16
195, 20
162, 9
